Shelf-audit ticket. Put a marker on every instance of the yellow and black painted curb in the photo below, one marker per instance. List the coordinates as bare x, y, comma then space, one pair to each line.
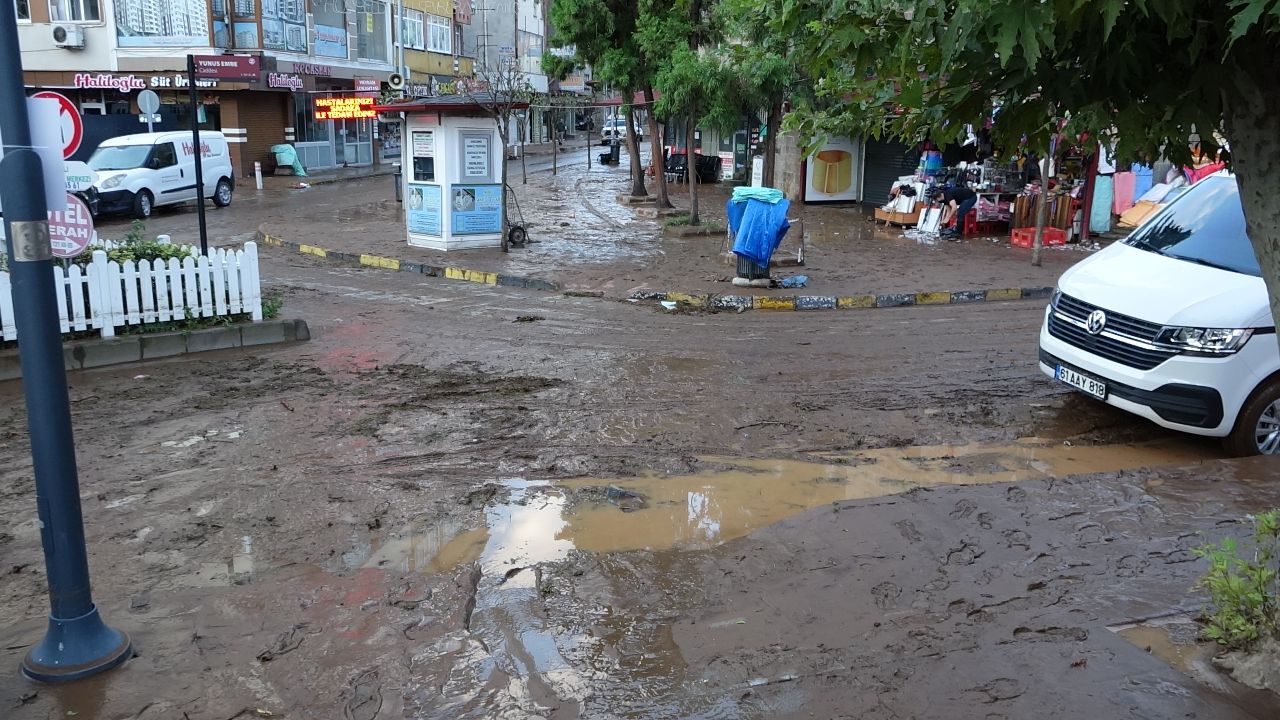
709, 301
847, 302
386, 263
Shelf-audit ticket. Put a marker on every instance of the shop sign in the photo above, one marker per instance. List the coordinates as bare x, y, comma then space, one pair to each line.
227, 67
128, 83
313, 69
285, 80
71, 230
345, 108
364, 85
418, 90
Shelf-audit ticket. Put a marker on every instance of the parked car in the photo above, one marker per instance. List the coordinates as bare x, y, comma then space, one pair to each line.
1173, 324
138, 173
616, 127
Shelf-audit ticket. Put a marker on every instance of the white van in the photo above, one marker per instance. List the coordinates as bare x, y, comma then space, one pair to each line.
1173, 324
138, 173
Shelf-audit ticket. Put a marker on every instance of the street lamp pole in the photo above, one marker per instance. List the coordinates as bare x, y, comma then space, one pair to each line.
76, 643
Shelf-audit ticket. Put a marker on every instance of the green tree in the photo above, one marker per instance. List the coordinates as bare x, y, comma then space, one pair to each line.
1148, 74
603, 34
693, 84
765, 73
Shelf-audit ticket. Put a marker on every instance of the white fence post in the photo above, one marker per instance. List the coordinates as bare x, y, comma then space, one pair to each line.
7, 327
251, 282
100, 295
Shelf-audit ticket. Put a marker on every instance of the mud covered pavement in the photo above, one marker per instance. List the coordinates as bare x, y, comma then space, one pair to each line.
463, 501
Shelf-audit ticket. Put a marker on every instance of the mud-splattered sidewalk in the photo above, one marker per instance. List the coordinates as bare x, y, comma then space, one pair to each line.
586, 240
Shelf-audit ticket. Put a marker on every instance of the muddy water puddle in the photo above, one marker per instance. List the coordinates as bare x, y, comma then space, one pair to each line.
541, 522
1176, 640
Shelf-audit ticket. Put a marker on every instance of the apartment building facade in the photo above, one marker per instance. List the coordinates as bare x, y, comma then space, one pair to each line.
101, 53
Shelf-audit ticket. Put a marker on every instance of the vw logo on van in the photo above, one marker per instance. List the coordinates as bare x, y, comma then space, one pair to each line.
1096, 322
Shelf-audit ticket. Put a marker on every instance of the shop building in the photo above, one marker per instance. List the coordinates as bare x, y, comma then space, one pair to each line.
101, 53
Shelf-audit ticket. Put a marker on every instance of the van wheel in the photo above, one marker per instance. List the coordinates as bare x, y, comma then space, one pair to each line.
142, 204
1257, 430
222, 193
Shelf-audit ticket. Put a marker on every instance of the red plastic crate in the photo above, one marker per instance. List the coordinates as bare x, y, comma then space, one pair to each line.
1026, 237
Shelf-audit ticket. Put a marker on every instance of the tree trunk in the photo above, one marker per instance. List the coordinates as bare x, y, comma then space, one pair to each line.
633, 149
655, 152
524, 170
1253, 129
1042, 211
555, 145
771, 144
691, 171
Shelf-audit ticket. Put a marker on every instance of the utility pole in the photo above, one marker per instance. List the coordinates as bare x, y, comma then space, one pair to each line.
76, 643
199, 153
400, 68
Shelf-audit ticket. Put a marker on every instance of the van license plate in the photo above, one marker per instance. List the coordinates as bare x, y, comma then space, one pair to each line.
1096, 388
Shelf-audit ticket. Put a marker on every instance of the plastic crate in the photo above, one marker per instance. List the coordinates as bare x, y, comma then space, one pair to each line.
1026, 237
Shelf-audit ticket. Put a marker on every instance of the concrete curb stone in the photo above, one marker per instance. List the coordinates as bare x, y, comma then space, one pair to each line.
740, 303
100, 352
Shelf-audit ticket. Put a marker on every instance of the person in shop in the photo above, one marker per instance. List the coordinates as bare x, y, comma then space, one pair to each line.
957, 201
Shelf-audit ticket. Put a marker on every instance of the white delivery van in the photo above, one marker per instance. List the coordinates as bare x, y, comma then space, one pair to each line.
1173, 324
138, 173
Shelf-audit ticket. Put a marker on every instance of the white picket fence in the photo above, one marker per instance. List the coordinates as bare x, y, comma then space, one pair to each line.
106, 295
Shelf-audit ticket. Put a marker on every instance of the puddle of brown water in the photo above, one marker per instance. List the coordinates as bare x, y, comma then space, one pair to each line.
543, 522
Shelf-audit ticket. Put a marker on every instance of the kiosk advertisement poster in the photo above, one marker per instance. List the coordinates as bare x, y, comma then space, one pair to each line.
423, 209
477, 209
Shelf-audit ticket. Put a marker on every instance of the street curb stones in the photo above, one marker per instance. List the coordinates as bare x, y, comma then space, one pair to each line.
737, 303
385, 263
798, 303
100, 352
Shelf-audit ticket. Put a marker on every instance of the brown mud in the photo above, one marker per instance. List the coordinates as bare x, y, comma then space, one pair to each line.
431, 511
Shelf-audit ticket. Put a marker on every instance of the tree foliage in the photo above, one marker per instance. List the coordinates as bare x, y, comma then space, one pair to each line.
1148, 75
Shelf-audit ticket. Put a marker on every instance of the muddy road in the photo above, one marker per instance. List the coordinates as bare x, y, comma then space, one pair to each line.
463, 501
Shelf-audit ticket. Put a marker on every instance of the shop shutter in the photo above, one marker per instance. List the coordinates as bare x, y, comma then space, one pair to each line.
262, 114
884, 163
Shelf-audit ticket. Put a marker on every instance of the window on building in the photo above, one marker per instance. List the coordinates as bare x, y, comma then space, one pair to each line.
413, 29
373, 36
440, 34
73, 11
24, 9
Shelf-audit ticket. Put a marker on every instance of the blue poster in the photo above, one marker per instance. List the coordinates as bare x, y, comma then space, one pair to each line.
330, 41
477, 209
423, 209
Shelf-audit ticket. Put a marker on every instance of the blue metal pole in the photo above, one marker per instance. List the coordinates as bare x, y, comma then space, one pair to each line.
77, 643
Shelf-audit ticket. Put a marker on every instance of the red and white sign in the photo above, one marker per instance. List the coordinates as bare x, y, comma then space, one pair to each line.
71, 231
72, 125
367, 85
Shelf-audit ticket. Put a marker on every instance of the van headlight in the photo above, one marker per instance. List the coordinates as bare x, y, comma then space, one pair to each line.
113, 181
1205, 341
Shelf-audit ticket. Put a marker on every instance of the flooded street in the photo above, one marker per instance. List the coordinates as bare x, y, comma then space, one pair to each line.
431, 510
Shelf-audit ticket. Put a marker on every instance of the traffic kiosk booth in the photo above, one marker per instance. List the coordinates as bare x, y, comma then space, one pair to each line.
451, 170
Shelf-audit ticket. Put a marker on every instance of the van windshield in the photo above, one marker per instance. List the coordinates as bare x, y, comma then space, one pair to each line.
120, 157
1205, 225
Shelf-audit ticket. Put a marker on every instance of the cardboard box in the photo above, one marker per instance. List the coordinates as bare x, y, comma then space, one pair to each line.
898, 218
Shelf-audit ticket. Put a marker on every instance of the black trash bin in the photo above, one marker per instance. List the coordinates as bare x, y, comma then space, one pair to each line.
615, 149
399, 176
751, 271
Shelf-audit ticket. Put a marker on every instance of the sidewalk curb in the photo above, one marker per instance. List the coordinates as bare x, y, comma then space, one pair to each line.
100, 352
481, 277
740, 303
800, 303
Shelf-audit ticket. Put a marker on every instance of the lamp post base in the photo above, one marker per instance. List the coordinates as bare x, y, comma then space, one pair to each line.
76, 648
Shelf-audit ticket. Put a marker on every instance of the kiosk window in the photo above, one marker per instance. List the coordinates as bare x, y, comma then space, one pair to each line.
423, 148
